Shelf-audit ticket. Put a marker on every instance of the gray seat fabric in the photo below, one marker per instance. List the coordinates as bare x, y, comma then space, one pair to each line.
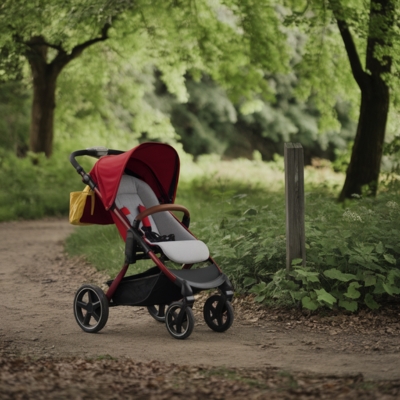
186, 248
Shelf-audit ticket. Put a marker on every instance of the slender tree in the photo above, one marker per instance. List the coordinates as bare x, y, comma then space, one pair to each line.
368, 31
366, 157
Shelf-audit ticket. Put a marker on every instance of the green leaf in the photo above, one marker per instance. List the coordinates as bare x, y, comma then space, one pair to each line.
367, 249
312, 278
379, 248
390, 259
331, 260
340, 276
390, 289
248, 281
379, 287
370, 302
309, 304
305, 276
370, 280
352, 292
298, 295
346, 234
260, 299
290, 285
356, 260
259, 288
297, 261
260, 257
349, 305
325, 297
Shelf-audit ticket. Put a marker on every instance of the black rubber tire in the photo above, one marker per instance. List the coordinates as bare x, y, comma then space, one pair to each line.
179, 320
218, 316
157, 312
91, 308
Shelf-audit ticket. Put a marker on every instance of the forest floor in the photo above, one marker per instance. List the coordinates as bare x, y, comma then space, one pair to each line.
267, 353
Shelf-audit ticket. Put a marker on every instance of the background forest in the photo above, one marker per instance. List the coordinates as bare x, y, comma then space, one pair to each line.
227, 83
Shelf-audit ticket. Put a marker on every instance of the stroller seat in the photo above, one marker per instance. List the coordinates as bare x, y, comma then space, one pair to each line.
185, 249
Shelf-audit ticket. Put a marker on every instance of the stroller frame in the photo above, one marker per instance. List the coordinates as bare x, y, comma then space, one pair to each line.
167, 293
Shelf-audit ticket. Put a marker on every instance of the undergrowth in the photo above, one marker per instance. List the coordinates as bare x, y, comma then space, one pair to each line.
35, 187
352, 250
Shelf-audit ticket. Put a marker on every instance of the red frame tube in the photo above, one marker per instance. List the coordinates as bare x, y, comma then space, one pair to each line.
111, 290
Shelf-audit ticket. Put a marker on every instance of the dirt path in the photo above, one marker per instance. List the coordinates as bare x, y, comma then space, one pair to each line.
37, 287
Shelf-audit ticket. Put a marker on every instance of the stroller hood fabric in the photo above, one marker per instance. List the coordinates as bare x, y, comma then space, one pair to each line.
155, 163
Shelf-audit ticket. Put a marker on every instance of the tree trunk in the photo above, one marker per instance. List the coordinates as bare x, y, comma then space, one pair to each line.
44, 78
42, 114
365, 163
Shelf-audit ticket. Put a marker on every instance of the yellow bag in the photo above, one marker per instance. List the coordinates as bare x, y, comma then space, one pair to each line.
77, 201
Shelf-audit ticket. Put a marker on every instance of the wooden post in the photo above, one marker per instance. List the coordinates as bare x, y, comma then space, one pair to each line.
294, 190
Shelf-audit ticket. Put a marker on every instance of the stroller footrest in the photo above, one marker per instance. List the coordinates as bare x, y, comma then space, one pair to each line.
201, 278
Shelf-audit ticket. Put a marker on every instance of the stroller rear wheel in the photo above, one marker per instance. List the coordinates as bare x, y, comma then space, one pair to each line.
217, 314
91, 308
179, 320
157, 312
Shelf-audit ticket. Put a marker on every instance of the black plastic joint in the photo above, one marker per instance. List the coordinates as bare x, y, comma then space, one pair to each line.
139, 240
130, 245
226, 289
186, 221
88, 181
187, 293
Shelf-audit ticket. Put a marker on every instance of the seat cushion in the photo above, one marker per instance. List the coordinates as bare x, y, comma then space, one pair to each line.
185, 251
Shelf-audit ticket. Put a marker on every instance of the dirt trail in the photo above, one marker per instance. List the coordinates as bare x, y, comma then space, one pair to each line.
37, 287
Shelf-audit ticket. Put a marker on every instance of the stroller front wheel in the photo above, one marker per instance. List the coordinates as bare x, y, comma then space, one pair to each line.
218, 315
91, 308
179, 320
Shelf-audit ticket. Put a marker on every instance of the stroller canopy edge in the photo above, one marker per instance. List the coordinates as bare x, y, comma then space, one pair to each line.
155, 163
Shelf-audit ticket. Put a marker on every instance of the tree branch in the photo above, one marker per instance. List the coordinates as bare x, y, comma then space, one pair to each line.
62, 58
78, 49
352, 54
32, 43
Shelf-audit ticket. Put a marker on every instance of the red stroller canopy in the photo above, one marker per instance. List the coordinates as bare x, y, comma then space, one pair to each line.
155, 163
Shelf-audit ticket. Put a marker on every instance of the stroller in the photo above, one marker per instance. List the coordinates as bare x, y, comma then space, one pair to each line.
135, 190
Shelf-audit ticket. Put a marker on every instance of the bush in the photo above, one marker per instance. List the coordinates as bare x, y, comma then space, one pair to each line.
34, 187
352, 253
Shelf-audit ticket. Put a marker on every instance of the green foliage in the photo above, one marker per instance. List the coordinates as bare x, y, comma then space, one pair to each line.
210, 122
248, 239
223, 40
14, 117
35, 187
352, 257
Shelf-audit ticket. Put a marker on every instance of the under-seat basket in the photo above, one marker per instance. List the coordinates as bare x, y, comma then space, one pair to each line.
148, 288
